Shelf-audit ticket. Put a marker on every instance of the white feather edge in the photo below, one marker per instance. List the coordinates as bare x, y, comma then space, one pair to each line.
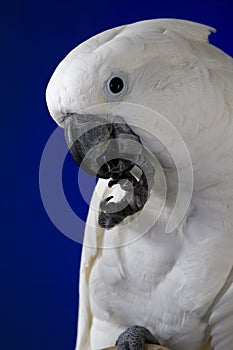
221, 320
189, 30
93, 234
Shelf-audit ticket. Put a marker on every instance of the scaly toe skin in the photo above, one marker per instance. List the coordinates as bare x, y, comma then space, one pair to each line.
134, 338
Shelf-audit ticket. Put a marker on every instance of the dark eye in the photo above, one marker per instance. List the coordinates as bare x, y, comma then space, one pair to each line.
115, 86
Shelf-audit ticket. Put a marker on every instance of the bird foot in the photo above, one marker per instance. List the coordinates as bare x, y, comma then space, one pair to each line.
134, 338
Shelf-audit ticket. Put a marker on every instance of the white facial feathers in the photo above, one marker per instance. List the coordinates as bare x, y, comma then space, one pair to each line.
127, 47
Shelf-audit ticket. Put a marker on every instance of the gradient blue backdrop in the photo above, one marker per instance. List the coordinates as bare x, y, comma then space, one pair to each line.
39, 268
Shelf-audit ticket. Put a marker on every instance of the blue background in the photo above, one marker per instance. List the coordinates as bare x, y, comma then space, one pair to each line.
39, 267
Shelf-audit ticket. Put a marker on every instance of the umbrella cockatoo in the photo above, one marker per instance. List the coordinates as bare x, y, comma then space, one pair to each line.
139, 281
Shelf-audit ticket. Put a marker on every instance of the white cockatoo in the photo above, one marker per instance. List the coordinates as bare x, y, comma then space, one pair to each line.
139, 283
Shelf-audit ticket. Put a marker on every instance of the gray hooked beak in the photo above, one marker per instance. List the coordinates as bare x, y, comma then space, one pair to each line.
99, 147
110, 149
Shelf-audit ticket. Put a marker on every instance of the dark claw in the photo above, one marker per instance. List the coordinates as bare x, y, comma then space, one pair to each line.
135, 338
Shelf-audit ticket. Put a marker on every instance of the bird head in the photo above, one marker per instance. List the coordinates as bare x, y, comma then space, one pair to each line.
157, 65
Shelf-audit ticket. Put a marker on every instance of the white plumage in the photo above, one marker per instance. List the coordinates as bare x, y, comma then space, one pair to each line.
167, 283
